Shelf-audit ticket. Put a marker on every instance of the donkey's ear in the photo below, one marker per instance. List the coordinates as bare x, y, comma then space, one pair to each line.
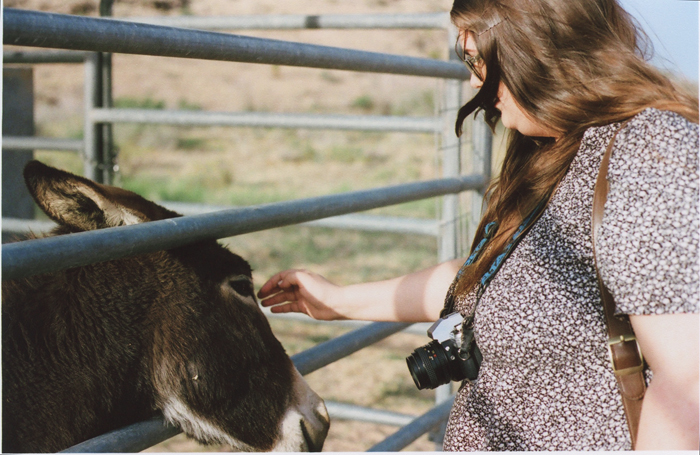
84, 205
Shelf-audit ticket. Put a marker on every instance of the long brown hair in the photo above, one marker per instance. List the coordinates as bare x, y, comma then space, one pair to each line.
570, 65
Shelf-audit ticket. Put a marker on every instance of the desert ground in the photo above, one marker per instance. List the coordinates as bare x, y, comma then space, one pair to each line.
244, 166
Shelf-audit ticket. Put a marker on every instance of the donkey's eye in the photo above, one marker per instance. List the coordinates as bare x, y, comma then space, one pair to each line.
242, 284
242, 288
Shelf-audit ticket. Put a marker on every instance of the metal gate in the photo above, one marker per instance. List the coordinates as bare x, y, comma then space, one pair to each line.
91, 40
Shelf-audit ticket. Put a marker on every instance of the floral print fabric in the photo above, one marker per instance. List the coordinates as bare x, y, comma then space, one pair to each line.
546, 382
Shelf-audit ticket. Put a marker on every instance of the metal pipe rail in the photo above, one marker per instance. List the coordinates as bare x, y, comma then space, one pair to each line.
37, 29
33, 257
345, 411
20, 259
267, 120
43, 57
133, 438
303, 21
358, 222
41, 143
156, 430
329, 351
142, 435
415, 429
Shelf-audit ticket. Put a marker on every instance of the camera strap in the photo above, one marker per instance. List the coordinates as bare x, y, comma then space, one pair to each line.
514, 240
489, 232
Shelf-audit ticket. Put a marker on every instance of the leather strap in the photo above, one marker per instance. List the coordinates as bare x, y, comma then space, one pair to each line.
625, 355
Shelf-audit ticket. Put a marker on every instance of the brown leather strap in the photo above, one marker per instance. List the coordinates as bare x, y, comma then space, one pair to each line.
625, 355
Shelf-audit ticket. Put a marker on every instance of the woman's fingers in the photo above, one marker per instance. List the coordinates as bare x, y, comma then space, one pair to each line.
280, 297
276, 284
286, 308
270, 286
301, 292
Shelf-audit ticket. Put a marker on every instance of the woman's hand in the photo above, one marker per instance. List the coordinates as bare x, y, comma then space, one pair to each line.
416, 297
302, 292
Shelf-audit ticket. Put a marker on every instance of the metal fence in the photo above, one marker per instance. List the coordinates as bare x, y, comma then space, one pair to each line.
90, 40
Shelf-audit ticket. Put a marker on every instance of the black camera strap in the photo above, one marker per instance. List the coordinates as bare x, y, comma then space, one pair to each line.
489, 232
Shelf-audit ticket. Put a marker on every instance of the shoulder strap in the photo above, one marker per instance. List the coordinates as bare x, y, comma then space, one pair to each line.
625, 354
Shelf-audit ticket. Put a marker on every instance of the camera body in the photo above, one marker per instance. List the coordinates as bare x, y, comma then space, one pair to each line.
452, 355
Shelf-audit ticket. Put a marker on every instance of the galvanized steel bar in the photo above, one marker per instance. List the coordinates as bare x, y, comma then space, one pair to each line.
378, 224
303, 21
108, 158
72, 250
133, 438
345, 411
361, 222
419, 328
482, 143
354, 221
22, 226
107, 150
415, 429
33, 57
76, 33
268, 120
451, 148
31, 28
142, 435
328, 352
92, 137
41, 143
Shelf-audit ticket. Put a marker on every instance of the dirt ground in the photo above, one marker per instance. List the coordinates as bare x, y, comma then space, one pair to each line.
267, 165
377, 376
230, 86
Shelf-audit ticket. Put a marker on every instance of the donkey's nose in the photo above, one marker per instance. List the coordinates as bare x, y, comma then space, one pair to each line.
315, 427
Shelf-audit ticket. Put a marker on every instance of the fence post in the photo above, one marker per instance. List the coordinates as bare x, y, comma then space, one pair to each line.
17, 120
482, 141
107, 146
450, 148
92, 132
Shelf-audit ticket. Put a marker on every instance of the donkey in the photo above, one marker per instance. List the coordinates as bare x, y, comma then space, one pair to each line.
178, 332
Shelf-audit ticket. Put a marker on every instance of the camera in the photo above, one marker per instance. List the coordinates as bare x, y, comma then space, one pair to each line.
452, 355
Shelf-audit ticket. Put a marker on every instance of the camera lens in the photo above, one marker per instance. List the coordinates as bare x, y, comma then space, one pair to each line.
429, 366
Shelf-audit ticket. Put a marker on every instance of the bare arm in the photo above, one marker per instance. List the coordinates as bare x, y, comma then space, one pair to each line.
416, 297
669, 419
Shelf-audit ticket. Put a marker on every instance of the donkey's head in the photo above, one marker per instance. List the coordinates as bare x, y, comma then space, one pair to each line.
216, 369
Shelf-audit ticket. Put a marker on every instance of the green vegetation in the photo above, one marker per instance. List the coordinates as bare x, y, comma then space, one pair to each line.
421, 103
245, 166
364, 102
191, 143
133, 103
185, 105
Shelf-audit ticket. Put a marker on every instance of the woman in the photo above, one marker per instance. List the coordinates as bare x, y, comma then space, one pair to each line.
562, 76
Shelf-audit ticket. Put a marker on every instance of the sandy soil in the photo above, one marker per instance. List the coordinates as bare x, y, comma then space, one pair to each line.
376, 377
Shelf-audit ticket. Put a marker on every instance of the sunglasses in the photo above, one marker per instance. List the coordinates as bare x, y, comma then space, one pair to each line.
469, 61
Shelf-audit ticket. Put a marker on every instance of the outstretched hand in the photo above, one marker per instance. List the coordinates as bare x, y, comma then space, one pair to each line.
301, 291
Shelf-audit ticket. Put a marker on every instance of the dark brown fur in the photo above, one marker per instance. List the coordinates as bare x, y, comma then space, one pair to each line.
94, 348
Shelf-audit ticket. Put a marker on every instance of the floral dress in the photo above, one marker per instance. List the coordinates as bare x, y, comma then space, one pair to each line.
546, 382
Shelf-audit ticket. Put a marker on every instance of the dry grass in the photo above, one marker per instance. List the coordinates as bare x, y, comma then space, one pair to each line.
251, 166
